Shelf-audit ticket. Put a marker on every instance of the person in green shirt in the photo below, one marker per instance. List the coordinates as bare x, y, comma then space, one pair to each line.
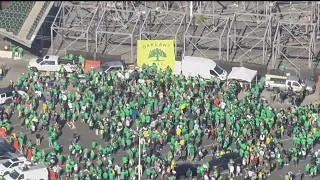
13, 50
148, 173
70, 57
20, 51
81, 61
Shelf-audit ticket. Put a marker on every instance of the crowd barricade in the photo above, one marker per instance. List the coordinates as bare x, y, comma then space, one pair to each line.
3, 132
29, 154
52, 174
16, 144
91, 64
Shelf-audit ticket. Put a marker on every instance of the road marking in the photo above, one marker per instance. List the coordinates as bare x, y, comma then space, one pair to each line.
14, 125
287, 139
29, 132
47, 148
190, 160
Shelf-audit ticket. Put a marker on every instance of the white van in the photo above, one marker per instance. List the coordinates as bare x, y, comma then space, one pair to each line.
194, 66
36, 171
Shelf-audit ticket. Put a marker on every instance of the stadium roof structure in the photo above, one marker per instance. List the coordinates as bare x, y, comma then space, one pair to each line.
21, 20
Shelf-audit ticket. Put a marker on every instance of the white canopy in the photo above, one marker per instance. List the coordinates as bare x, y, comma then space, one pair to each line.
242, 74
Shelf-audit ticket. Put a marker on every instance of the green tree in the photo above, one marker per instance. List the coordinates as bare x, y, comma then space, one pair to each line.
157, 53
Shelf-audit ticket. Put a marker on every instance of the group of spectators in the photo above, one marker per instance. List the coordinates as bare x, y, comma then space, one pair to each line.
169, 117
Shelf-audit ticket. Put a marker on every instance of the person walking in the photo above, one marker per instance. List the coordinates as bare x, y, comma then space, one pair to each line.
38, 139
20, 52
14, 51
57, 169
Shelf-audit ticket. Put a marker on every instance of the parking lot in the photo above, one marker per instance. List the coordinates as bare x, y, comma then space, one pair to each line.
87, 136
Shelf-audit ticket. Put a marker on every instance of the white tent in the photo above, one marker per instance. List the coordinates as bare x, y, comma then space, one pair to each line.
242, 74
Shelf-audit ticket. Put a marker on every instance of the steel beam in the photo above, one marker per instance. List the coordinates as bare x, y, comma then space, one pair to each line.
73, 27
159, 25
204, 33
249, 38
209, 7
292, 11
179, 6
116, 29
293, 43
225, 30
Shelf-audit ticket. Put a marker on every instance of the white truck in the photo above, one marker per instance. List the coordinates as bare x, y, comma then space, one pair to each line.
194, 66
282, 83
29, 171
50, 63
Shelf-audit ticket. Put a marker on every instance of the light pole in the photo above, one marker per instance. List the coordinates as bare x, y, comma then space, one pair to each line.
191, 9
139, 151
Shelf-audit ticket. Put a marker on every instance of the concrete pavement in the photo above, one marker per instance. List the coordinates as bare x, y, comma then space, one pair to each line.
87, 136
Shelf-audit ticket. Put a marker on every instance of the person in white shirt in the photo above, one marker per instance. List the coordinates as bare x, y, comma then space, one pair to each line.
75, 168
231, 171
238, 169
250, 174
244, 161
206, 177
222, 105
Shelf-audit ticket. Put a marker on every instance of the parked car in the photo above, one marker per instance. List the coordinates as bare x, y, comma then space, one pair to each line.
7, 156
5, 147
110, 66
11, 164
6, 95
282, 83
50, 63
181, 170
222, 163
35, 171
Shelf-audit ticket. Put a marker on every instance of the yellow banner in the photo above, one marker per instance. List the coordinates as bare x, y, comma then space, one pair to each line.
160, 52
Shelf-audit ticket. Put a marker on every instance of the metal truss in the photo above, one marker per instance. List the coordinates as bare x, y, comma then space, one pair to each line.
206, 32
296, 28
161, 25
126, 5
316, 16
74, 27
42, 41
207, 7
263, 32
179, 6
292, 10
256, 7
294, 42
117, 32
249, 38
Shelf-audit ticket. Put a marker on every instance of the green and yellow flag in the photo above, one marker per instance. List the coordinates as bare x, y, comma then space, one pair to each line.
160, 52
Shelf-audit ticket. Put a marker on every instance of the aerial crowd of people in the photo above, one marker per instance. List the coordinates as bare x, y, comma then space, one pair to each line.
160, 120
